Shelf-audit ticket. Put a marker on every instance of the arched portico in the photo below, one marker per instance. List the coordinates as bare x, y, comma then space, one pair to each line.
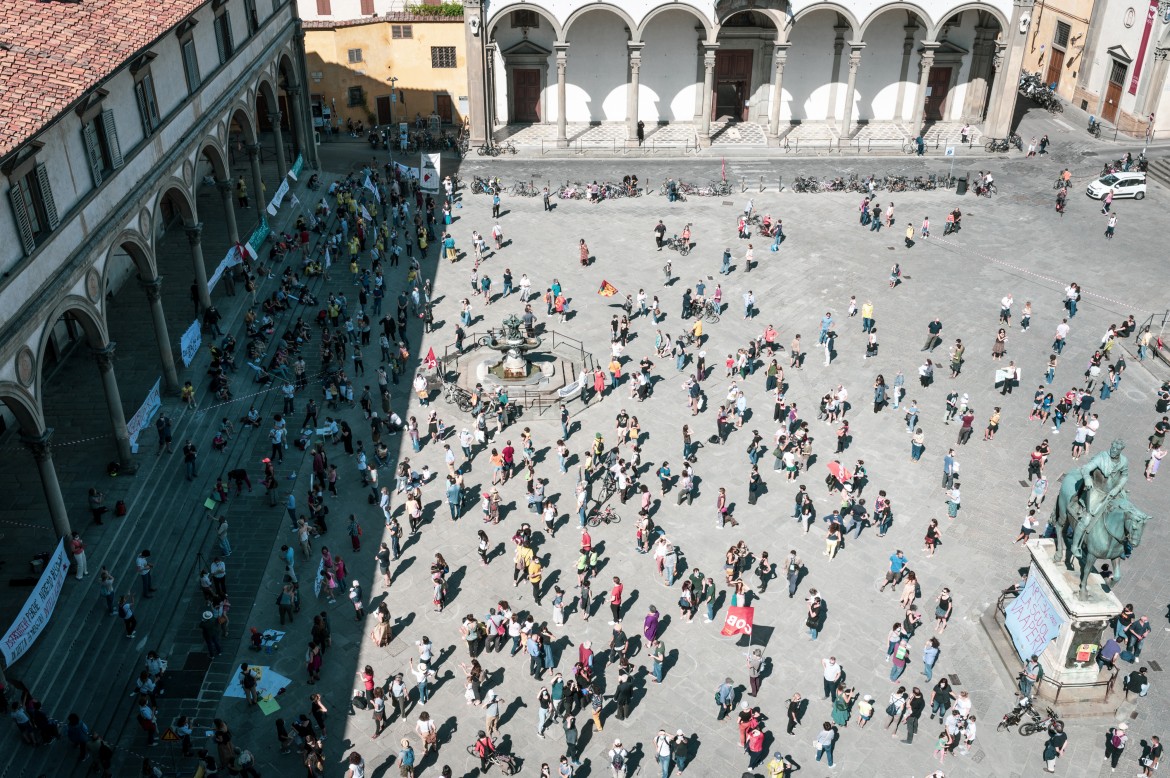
174, 200
137, 248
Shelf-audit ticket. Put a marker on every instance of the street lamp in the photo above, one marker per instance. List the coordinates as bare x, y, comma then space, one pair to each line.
393, 98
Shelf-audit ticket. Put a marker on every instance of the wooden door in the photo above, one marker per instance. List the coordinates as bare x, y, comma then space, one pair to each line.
443, 107
1055, 65
733, 84
1113, 92
938, 86
385, 109
525, 95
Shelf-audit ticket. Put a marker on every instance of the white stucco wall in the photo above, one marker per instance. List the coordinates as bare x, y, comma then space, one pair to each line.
809, 68
595, 88
668, 89
881, 66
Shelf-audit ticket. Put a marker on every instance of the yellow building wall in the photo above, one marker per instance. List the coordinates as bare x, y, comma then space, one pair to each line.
331, 74
1038, 53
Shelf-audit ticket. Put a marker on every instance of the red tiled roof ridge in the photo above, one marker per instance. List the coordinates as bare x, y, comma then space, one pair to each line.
391, 16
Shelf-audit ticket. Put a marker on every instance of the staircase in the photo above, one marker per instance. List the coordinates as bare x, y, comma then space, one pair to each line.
1159, 170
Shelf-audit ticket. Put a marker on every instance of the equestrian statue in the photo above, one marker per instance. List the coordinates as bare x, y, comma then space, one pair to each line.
1105, 524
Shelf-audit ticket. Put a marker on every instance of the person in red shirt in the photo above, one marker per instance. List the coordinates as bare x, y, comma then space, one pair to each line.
755, 749
615, 599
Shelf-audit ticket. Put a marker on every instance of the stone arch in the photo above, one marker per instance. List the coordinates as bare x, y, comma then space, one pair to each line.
185, 199
241, 116
991, 10
285, 67
24, 407
598, 7
504, 12
86, 314
137, 247
844, 12
212, 149
928, 24
685, 7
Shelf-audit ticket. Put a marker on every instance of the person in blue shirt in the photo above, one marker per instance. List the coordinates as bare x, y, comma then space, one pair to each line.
898, 564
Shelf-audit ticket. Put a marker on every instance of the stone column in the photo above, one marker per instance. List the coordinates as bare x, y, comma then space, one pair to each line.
105, 361
253, 150
708, 88
281, 164
229, 209
855, 48
293, 96
194, 236
925, 62
779, 57
477, 93
39, 446
562, 118
153, 289
635, 50
1011, 50
976, 96
997, 79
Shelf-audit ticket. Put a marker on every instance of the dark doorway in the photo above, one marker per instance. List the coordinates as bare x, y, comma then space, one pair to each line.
525, 95
1113, 92
733, 83
1055, 65
443, 107
938, 86
385, 109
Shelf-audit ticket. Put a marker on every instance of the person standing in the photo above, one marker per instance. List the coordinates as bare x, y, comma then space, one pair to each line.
1110, 226
615, 600
832, 676
827, 737
77, 550
755, 662
915, 705
1151, 756
1115, 741
144, 567
1054, 746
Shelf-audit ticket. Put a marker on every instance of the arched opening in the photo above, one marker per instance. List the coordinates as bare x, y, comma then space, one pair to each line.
178, 242
742, 68
671, 76
887, 77
524, 65
595, 90
291, 110
814, 73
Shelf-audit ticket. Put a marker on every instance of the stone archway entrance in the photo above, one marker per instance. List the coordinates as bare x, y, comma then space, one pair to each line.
733, 85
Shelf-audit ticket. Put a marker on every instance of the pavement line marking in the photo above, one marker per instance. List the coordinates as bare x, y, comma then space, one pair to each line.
1063, 124
1025, 271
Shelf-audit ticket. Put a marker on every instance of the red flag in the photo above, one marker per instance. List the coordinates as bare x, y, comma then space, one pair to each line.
430, 360
739, 621
607, 289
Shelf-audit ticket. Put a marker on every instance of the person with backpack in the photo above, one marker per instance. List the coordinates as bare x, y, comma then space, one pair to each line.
1115, 740
484, 748
618, 759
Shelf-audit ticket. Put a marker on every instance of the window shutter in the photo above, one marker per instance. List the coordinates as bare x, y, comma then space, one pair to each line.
23, 226
143, 109
323, 8
367, 7
93, 151
220, 38
47, 201
115, 148
227, 32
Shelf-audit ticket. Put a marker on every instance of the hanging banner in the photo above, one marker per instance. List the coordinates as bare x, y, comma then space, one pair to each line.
141, 420
278, 198
409, 172
37, 609
258, 237
739, 621
370, 185
1031, 619
429, 167
190, 342
295, 171
1151, 15
232, 259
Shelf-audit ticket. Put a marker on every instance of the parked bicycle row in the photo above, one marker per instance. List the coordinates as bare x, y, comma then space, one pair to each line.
873, 183
1044, 95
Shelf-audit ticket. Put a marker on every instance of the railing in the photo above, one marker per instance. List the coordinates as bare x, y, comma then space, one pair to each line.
617, 146
1159, 320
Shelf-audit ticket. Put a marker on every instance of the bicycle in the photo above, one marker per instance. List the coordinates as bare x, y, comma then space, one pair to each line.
607, 515
678, 244
1094, 127
457, 396
506, 762
488, 150
1033, 727
708, 311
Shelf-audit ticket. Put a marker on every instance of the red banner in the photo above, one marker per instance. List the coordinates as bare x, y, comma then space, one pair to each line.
1151, 15
430, 360
739, 621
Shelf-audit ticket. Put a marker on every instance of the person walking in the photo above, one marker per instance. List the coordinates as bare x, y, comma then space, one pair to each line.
1054, 746
825, 741
1115, 741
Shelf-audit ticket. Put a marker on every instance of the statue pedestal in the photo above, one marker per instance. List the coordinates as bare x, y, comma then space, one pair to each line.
1076, 683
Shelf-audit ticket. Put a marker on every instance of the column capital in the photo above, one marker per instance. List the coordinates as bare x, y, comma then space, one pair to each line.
292, 91
105, 356
194, 233
274, 117
635, 47
253, 150
562, 50
152, 287
997, 56
39, 445
225, 187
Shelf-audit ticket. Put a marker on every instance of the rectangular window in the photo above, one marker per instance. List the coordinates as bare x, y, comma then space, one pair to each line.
223, 36
529, 19
443, 56
251, 16
367, 7
33, 205
1060, 38
100, 136
1117, 74
355, 56
324, 8
356, 96
403, 31
191, 66
147, 104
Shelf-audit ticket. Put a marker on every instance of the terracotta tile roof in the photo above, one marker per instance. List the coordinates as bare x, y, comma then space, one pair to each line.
52, 53
389, 16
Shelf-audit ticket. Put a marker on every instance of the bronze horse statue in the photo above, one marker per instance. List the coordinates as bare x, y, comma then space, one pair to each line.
1102, 526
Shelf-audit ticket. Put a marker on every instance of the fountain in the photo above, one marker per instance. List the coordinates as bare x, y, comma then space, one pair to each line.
511, 340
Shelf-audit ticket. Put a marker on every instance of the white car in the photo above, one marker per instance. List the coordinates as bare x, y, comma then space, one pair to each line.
1121, 184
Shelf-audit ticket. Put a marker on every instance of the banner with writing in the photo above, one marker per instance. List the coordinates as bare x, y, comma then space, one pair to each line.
1031, 619
141, 419
190, 342
37, 609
